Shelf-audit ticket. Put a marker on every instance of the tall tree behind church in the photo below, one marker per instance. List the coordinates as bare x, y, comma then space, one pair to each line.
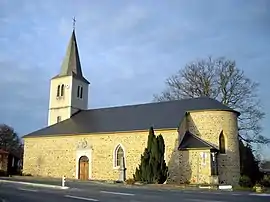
152, 168
219, 78
9, 139
249, 165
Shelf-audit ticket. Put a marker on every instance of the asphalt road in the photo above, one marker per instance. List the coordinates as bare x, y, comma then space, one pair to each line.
26, 193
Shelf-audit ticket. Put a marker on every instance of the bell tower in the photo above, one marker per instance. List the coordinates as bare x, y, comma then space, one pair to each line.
68, 89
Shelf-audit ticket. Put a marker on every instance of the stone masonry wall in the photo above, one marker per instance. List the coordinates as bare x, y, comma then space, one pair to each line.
3, 162
174, 165
195, 166
208, 126
56, 156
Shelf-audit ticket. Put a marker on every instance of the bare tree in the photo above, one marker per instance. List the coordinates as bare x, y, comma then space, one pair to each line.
219, 78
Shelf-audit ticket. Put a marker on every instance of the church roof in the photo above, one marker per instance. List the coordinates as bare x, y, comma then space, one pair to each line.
191, 141
71, 65
160, 115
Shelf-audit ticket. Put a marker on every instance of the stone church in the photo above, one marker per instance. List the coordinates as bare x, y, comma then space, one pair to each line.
200, 134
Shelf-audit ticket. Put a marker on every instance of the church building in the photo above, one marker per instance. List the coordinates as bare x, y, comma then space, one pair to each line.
200, 134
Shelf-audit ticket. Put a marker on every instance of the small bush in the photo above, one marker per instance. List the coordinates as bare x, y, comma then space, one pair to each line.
245, 181
266, 181
130, 181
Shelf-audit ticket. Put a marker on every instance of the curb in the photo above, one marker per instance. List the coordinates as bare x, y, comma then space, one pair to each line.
35, 184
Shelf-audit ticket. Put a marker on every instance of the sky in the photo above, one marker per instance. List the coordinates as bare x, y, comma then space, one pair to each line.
127, 49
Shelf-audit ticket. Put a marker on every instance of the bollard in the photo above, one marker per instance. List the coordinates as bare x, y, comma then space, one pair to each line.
63, 181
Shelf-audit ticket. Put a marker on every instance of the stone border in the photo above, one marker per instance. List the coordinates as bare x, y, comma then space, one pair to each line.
35, 184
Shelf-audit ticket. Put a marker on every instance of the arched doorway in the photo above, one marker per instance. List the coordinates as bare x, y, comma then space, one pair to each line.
84, 168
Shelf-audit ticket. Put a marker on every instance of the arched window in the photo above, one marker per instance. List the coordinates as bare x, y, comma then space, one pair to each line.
62, 90
118, 155
78, 91
58, 91
222, 143
81, 92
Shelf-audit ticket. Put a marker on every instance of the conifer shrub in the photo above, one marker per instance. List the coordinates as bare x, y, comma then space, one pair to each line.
152, 168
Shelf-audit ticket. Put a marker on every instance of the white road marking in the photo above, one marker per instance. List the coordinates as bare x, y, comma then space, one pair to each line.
81, 198
32, 190
259, 194
117, 193
34, 184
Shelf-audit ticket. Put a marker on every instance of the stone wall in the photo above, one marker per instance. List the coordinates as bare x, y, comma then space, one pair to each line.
174, 165
56, 156
195, 166
208, 126
3, 162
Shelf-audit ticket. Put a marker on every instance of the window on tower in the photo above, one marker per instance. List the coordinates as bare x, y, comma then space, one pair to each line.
62, 89
58, 119
58, 91
80, 92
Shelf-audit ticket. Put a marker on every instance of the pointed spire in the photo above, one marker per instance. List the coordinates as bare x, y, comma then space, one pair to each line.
71, 65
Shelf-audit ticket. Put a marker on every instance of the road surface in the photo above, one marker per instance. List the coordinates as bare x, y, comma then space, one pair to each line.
25, 193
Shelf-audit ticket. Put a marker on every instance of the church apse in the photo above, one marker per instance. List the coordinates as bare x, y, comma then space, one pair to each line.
209, 125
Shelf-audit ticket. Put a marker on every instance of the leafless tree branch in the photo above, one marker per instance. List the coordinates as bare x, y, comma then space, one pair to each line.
220, 79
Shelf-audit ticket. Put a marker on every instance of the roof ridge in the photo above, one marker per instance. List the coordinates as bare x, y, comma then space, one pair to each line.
226, 108
143, 104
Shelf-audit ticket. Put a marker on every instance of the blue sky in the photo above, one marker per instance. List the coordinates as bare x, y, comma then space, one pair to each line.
127, 48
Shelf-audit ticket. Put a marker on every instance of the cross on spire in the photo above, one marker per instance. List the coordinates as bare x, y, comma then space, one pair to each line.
74, 23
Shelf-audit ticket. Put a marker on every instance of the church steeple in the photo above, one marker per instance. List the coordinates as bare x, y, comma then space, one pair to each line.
71, 65
69, 89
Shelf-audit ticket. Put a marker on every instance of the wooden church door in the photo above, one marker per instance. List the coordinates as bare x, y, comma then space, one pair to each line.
84, 168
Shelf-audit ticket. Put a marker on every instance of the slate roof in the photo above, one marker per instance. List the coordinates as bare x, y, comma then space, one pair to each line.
71, 65
191, 141
160, 115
